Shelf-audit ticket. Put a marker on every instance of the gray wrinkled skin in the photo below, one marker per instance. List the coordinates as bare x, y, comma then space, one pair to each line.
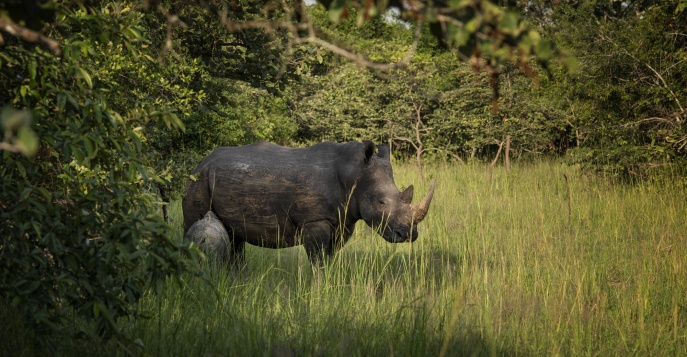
276, 197
210, 236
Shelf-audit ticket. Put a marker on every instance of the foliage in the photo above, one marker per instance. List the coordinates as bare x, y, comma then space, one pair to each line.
452, 99
483, 33
80, 232
628, 103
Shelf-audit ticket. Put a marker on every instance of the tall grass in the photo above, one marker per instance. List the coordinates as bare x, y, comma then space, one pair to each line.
524, 263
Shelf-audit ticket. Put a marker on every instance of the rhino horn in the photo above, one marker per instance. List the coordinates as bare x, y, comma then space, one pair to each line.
420, 209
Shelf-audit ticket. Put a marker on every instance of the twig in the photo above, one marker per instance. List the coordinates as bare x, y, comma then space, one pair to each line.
172, 20
9, 147
493, 163
361, 60
658, 75
498, 153
29, 35
577, 131
269, 27
652, 119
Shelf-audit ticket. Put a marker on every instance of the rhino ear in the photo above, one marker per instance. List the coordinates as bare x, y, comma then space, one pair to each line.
383, 151
369, 149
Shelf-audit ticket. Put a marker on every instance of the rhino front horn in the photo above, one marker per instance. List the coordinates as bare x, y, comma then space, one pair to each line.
420, 209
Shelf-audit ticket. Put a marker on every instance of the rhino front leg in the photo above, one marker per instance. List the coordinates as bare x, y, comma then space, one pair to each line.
317, 238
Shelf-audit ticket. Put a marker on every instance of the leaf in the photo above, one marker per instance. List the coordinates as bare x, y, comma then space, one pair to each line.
459, 36
13, 119
85, 76
681, 6
509, 23
27, 141
474, 24
572, 64
32, 287
45, 193
22, 170
72, 101
61, 101
91, 148
336, 9
25, 194
32, 69
543, 49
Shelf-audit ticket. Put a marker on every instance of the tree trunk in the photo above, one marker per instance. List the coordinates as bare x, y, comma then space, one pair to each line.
493, 163
419, 165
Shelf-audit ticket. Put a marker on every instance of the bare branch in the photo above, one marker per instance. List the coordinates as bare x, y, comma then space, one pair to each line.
457, 158
406, 140
172, 20
659, 76
666, 86
577, 130
29, 35
683, 139
264, 25
498, 153
361, 60
652, 119
9, 147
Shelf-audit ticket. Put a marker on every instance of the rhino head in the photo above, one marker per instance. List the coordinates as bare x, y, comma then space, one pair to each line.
382, 206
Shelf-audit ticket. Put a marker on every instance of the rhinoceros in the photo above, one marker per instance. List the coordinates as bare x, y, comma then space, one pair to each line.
211, 237
275, 197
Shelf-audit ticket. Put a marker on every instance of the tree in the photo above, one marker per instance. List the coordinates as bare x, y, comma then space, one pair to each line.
80, 233
627, 106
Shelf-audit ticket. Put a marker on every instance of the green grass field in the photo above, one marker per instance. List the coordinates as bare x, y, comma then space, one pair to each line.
522, 264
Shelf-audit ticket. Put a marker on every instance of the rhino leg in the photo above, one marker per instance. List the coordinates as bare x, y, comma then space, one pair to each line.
318, 242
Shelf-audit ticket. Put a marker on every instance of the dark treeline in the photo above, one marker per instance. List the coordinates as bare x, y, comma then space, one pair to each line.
105, 102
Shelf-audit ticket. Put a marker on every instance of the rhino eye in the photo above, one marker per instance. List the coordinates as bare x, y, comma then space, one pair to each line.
381, 202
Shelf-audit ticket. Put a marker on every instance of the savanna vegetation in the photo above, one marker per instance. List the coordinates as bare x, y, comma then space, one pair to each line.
555, 133
544, 260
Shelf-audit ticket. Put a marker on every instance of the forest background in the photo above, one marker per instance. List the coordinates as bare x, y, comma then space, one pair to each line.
108, 105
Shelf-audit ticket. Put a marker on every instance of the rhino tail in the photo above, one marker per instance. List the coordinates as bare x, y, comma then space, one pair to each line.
212, 180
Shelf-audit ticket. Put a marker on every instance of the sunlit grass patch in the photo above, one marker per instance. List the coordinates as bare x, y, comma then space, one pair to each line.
524, 263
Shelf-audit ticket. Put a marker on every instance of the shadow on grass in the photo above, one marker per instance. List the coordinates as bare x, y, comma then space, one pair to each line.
278, 308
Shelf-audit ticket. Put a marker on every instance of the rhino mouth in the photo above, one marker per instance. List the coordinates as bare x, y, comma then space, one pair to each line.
400, 234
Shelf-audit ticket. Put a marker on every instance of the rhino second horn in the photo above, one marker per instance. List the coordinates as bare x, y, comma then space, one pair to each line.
407, 195
420, 209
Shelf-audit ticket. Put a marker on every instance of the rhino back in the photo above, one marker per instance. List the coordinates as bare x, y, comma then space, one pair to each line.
264, 192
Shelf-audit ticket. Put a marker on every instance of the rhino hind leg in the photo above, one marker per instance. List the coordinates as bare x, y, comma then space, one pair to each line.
195, 203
